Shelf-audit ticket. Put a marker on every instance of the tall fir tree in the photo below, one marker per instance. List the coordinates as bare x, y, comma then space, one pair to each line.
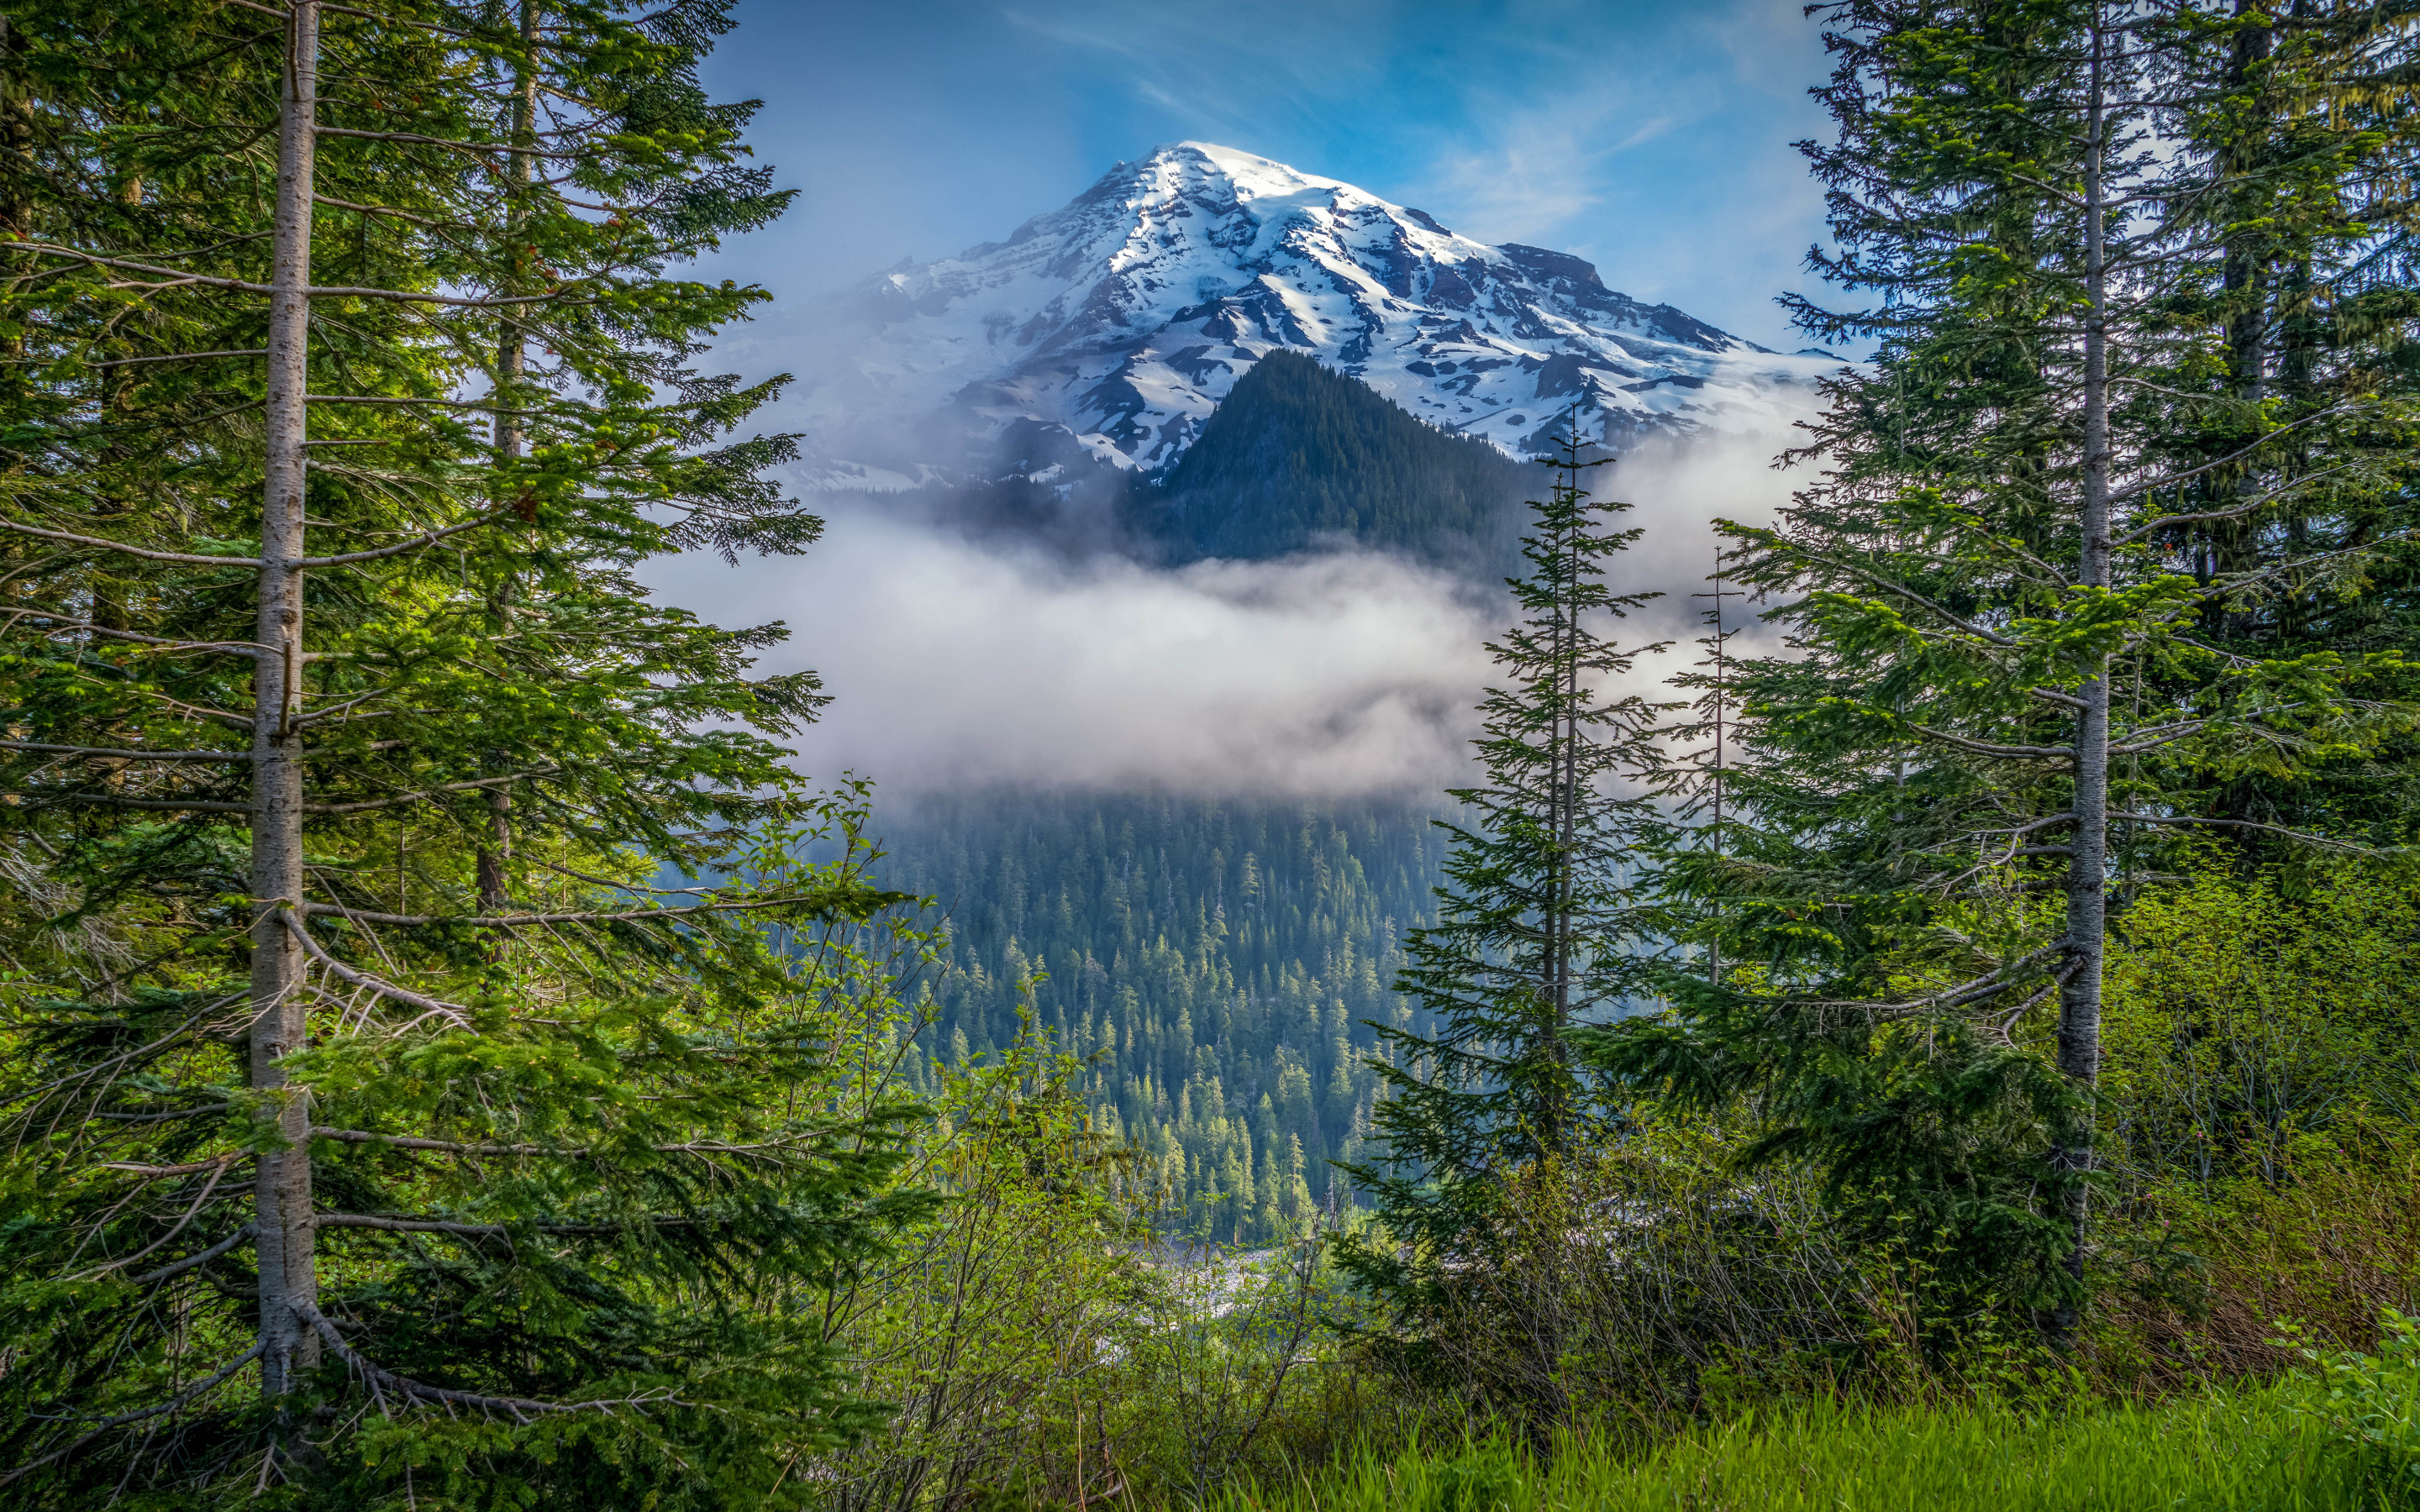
2002, 682
369, 1117
2294, 122
1545, 920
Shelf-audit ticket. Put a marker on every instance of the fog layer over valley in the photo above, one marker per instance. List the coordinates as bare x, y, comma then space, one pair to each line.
1182, 812
957, 663
964, 659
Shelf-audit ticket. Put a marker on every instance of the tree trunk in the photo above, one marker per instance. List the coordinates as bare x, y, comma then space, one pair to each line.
512, 363
283, 1239
2245, 274
2079, 1016
17, 142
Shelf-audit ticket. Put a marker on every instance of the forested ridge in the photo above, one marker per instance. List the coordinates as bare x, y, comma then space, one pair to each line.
1297, 455
1215, 963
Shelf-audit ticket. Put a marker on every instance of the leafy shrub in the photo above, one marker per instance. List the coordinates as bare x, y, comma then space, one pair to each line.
1651, 1280
2259, 1116
2371, 1408
2246, 1018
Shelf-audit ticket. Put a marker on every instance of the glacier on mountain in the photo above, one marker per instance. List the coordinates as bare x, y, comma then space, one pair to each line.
1113, 327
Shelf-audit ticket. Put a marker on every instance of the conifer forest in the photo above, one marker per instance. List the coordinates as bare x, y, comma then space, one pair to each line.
1917, 1007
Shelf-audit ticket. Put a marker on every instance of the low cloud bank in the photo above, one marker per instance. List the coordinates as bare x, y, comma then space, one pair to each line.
958, 664
955, 666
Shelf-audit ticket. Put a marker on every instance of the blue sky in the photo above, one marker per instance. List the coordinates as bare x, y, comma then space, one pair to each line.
1651, 138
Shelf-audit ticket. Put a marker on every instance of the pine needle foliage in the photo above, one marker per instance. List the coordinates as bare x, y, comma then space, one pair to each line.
381, 1127
1545, 920
2016, 669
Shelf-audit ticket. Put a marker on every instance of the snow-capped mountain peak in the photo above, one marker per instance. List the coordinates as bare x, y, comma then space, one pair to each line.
1119, 321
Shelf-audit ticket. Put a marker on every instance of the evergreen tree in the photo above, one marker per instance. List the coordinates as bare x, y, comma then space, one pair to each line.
366, 1118
1545, 920
2295, 120
2002, 678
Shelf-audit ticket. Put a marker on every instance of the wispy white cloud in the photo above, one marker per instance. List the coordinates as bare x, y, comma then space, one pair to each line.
1648, 132
1230, 72
1527, 183
956, 665
1672, 169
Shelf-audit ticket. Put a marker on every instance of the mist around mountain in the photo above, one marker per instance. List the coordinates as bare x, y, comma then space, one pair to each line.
1209, 416
1298, 458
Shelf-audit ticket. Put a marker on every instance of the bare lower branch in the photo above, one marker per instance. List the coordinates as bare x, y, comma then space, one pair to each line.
383, 398
165, 1118
170, 1037
2157, 735
55, 623
317, 291
2016, 848
427, 538
2058, 979
388, 210
2300, 836
110, 801
217, 1173
509, 920
448, 1147
382, 1224
410, 1225
193, 1261
181, 357
2248, 506
188, 558
381, 1380
609, 882
367, 805
1987, 748
1902, 591
452, 1012
482, 148
2120, 496
112, 753
1992, 982
161, 1173
102, 1425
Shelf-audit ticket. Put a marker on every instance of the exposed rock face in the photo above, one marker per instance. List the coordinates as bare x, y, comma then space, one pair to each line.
1113, 327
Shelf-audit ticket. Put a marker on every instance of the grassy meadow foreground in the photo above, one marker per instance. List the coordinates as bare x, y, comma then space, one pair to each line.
2259, 1451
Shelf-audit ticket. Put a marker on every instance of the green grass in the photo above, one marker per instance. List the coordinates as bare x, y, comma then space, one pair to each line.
2237, 1450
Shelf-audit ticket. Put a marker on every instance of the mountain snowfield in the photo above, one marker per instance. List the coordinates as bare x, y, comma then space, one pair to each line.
1113, 327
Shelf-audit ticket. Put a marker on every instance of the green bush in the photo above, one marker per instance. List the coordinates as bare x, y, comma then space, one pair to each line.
2371, 1408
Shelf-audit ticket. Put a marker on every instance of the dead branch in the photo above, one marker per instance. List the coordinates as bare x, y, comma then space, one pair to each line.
102, 1425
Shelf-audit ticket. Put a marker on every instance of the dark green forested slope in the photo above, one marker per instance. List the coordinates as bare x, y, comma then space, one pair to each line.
1214, 958
1298, 453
